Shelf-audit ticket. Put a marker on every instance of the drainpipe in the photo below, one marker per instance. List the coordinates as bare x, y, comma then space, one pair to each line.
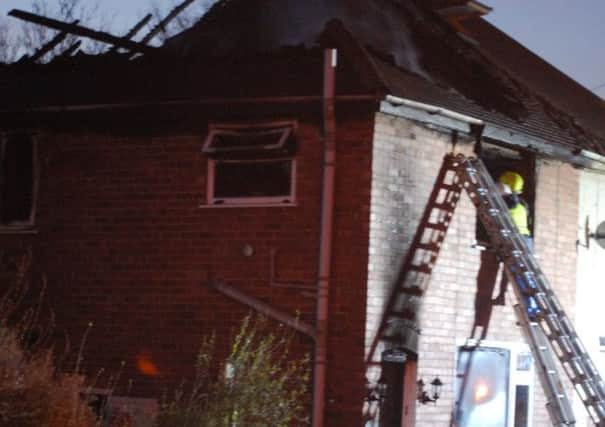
325, 240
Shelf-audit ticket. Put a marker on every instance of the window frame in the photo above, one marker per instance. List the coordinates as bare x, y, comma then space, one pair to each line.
214, 129
28, 224
275, 152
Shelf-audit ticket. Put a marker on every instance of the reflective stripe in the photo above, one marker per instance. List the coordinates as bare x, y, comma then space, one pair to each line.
519, 216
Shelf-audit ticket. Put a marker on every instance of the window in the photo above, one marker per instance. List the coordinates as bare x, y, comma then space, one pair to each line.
494, 386
497, 160
17, 180
251, 164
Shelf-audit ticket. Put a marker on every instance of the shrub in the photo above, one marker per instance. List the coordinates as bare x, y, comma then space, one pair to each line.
32, 391
257, 385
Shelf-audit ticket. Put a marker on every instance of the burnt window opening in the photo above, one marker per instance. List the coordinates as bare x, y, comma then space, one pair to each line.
498, 160
17, 180
251, 164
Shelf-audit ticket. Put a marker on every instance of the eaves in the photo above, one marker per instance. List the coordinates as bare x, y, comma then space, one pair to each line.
442, 118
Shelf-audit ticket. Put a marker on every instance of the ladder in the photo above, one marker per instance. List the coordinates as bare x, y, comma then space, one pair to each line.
541, 316
399, 323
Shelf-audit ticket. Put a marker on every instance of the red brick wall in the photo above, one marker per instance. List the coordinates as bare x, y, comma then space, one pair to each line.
124, 244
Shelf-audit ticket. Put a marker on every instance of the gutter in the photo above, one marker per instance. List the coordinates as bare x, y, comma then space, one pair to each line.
325, 240
190, 102
436, 116
432, 109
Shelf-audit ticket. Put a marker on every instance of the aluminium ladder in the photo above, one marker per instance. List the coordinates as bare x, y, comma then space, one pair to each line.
540, 314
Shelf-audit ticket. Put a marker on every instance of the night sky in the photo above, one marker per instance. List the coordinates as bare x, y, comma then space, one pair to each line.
568, 34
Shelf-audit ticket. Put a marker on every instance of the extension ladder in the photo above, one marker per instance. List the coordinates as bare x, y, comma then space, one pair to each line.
540, 314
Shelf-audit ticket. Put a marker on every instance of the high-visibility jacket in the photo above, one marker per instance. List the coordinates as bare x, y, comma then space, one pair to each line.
519, 212
519, 216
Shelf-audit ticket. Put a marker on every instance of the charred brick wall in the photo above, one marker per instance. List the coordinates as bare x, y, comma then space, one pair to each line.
125, 241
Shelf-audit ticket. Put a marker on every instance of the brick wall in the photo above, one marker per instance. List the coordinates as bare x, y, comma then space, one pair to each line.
557, 212
123, 243
406, 160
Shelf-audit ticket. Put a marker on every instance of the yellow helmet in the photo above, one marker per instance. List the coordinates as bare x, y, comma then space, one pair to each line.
513, 180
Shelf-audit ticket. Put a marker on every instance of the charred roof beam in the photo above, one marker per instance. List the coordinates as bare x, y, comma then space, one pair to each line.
54, 42
79, 30
134, 30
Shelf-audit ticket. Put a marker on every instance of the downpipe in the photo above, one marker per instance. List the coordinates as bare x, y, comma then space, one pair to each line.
325, 239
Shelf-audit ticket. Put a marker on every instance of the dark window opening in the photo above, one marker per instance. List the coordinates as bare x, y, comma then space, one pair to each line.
17, 180
521, 406
498, 160
270, 178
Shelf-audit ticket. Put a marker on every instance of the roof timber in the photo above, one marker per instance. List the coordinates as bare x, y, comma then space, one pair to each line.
134, 30
79, 30
54, 42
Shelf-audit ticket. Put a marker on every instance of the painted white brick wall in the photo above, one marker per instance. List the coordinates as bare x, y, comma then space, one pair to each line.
590, 292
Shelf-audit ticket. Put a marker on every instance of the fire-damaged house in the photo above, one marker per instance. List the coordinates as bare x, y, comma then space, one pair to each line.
279, 157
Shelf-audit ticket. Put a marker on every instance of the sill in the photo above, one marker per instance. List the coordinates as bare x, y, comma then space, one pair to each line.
248, 205
7, 229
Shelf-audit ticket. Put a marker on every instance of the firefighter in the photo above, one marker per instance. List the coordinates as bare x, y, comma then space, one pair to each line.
511, 184
511, 187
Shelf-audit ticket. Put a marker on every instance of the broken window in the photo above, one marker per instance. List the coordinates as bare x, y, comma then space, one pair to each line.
251, 164
17, 180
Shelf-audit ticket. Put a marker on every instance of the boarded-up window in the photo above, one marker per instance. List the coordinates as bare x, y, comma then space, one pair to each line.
17, 180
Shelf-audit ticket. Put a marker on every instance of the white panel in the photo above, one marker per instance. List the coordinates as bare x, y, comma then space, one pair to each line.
590, 289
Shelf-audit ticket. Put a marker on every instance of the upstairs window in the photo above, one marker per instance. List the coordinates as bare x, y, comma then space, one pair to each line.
17, 180
251, 164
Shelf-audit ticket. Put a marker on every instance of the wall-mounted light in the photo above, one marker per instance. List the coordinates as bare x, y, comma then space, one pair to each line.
598, 235
423, 396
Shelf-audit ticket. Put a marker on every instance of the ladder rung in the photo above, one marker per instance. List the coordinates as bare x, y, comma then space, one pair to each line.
448, 207
439, 226
406, 314
451, 187
411, 290
424, 268
428, 246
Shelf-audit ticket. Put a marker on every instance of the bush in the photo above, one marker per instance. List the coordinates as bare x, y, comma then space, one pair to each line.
33, 394
257, 384
32, 391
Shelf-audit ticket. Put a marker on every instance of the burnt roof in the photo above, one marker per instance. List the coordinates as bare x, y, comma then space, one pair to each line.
417, 55
404, 48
